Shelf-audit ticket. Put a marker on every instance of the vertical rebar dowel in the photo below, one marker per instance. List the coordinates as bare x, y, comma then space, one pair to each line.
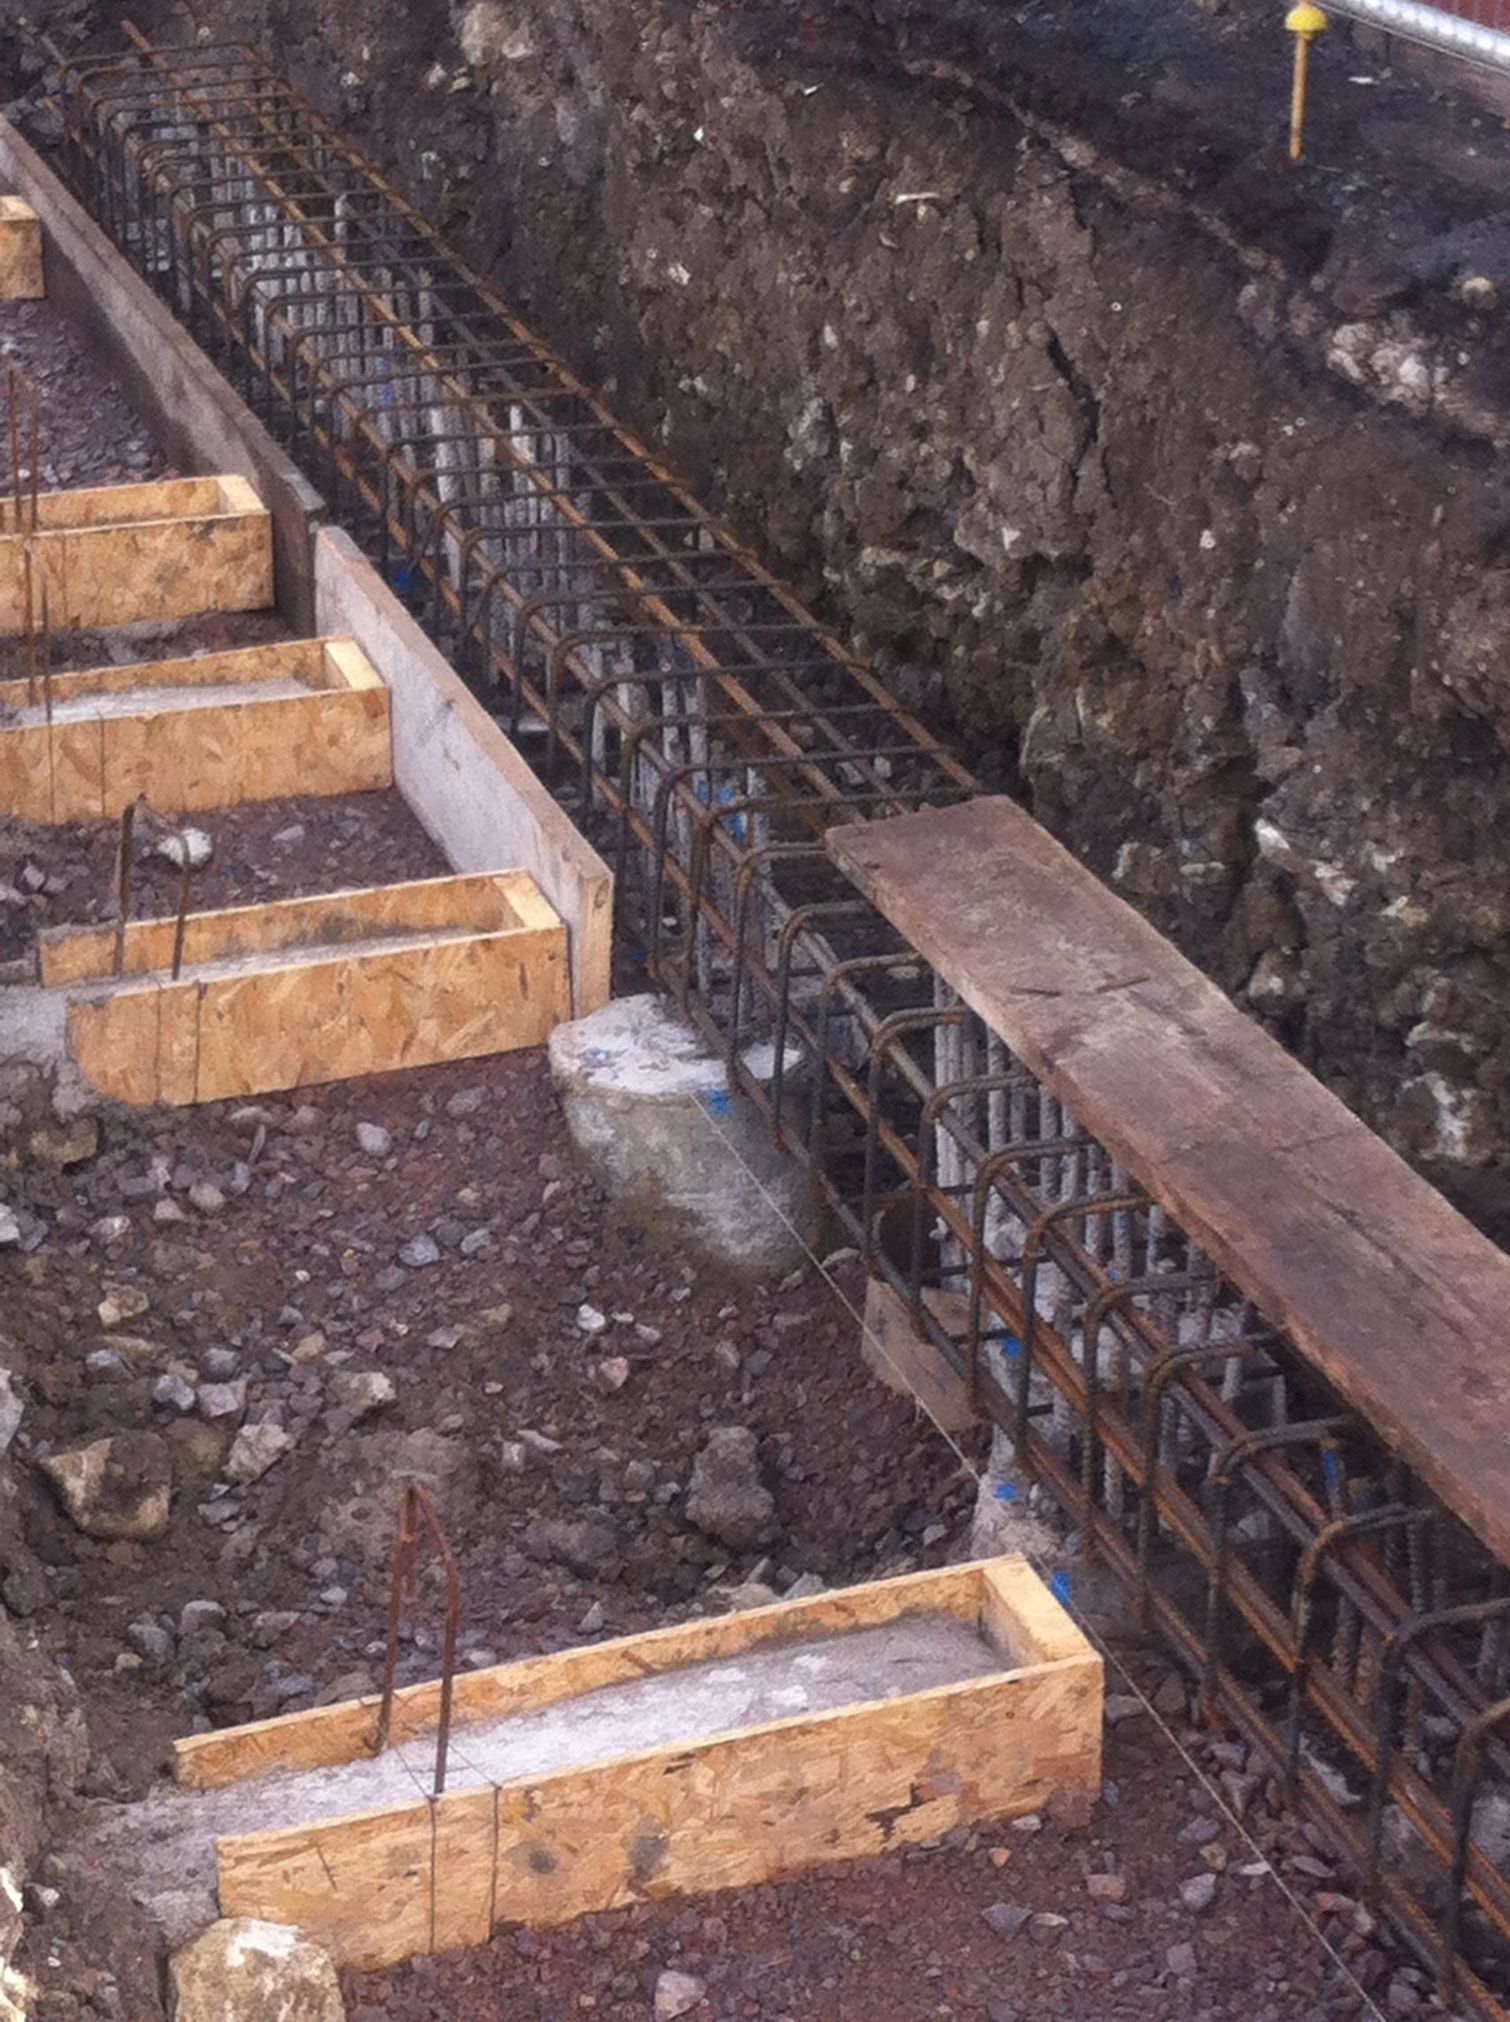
15, 443
185, 868
123, 883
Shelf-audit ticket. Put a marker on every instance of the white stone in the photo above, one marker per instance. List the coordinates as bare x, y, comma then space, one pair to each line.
11, 1409
193, 840
677, 1994
244, 1970
255, 1449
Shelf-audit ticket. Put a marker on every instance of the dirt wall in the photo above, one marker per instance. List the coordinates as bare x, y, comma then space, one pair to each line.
1178, 500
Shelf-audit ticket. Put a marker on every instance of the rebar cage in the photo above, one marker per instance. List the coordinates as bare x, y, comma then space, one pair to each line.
707, 732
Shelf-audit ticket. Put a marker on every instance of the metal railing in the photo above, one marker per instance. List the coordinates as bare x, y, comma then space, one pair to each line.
1478, 30
707, 732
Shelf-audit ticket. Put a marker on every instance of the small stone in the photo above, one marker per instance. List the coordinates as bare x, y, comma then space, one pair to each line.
1199, 1893
590, 1320
196, 1617
287, 837
1106, 1888
360, 1392
1006, 1919
592, 1622
806, 1587
1169, 1698
246, 1969
726, 1498
151, 1642
165, 1211
612, 1374
677, 1994
173, 1393
254, 1450
220, 1363
66, 1144
1120, 1706
110, 1229
222, 1400
206, 1197
1181, 1961
1030, 1821
193, 843
466, 1102
419, 1251
587, 1546
120, 1487
122, 1303
1200, 1832
10, 1228
11, 1409
374, 1140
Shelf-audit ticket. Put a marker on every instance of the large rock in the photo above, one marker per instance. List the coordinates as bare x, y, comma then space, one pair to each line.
726, 1498
119, 1487
243, 1970
649, 1112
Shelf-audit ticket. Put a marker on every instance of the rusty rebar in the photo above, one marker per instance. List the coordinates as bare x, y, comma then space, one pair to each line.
123, 883
414, 1503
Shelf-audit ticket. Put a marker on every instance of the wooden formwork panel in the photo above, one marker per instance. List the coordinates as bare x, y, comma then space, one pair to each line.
725, 1811
20, 252
87, 763
309, 990
175, 548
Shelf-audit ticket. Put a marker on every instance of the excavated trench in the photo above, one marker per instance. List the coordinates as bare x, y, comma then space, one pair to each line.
1161, 477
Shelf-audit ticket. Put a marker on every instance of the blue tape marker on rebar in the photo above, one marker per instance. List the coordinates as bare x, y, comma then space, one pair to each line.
718, 1101
1005, 1491
1059, 1587
1331, 1466
1011, 1346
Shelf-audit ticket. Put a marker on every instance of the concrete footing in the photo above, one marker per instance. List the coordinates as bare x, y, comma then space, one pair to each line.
649, 1112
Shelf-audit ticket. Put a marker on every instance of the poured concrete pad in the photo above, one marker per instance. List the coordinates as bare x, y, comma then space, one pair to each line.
649, 1111
164, 1848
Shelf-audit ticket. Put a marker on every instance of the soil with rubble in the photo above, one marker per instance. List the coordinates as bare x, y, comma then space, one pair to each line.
260, 1262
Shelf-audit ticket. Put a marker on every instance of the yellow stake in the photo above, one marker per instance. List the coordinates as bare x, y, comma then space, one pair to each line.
1305, 23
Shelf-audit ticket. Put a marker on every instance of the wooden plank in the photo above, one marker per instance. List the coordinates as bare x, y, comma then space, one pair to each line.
131, 552
374, 1013
20, 252
1393, 1295
330, 1734
723, 1812
334, 739
488, 902
307, 661
906, 1361
363, 1885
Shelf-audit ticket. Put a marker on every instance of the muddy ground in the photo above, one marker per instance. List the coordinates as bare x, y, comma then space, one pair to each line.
1163, 476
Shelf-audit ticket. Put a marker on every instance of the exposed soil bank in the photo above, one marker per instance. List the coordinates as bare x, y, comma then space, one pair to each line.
1167, 474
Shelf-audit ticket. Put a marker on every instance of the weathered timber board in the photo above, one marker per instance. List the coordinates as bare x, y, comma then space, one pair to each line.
1394, 1295
334, 739
175, 549
718, 1812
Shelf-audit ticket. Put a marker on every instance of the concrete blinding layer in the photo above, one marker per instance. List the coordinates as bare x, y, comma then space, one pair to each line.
309, 990
172, 548
20, 252
709, 1755
218, 730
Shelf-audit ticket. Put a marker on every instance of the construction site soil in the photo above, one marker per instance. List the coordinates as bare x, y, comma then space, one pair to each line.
408, 1278
1160, 474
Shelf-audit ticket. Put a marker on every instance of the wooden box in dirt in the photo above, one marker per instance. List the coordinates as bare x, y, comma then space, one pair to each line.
710, 1755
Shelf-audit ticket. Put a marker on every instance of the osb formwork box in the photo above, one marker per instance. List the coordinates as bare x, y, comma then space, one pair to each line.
262, 723
20, 251
308, 990
175, 548
725, 1810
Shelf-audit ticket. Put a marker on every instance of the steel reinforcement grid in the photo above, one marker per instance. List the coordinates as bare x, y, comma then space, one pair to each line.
707, 732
